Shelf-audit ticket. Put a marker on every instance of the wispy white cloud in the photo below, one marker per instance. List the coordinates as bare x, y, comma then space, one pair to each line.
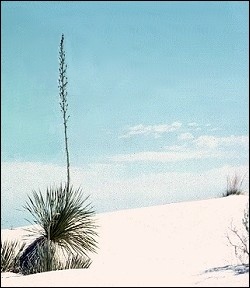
157, 131
194, 126
172, 156
152, 130
185, 136
205, 146
207, 141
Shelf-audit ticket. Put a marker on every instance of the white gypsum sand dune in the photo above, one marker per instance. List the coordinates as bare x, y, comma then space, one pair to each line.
179, 244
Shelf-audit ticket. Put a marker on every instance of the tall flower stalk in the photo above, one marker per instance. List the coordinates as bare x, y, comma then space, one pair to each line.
62, 85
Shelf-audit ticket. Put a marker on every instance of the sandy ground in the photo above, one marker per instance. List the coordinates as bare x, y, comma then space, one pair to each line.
179, 245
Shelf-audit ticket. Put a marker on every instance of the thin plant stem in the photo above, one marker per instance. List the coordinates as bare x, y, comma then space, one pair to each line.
63, 81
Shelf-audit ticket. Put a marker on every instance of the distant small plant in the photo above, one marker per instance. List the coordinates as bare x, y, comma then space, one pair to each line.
240, 240
234, 185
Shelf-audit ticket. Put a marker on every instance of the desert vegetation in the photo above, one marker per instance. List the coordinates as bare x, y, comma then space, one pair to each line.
65, 229
234, 185
238, 238
10, 255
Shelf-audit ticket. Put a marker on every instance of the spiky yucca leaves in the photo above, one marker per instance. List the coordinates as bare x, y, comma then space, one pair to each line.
36, 254
37, 257
65, 226
10, 253
76, 261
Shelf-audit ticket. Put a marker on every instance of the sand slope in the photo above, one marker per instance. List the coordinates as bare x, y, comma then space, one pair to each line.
167, 245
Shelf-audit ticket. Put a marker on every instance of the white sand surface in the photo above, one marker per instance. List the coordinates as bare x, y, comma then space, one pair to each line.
171, 245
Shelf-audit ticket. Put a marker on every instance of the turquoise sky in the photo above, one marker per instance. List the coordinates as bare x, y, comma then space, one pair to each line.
154, 87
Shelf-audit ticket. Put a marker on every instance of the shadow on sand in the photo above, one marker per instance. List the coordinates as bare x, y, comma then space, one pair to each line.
238, 269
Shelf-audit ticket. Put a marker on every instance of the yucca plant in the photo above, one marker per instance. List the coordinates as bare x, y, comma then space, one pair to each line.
65, 227
10, 254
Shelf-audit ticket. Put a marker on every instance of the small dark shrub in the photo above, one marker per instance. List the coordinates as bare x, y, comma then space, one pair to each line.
234, 185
